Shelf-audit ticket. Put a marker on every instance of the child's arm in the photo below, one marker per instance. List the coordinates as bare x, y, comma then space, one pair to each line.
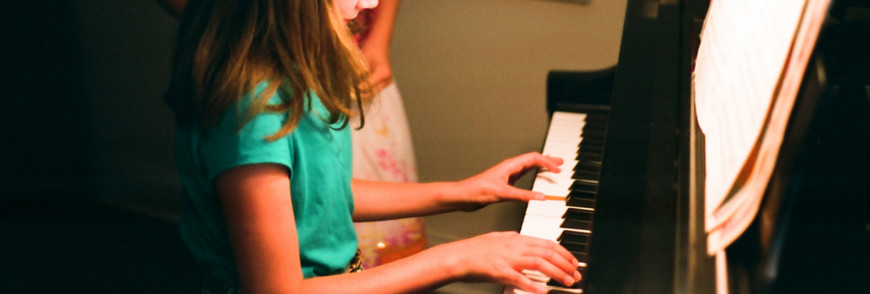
261, 227
259, 216
379, 200
495, 257
376, 46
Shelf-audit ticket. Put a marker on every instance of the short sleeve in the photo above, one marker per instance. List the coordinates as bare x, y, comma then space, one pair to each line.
224, 148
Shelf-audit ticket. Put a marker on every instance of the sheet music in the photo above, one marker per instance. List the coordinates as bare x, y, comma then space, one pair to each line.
749, 67
744, 47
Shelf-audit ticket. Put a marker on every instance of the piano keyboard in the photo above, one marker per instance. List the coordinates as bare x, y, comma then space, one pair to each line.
566, 216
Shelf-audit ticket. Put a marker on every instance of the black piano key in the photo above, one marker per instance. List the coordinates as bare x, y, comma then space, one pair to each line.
595, 123
590, 157
580, 255
575, 242
576, 224
588, 166
590, 146
584, 171
576, 249
577, 214
587, 176
580, 202
577, 219
587, 181
573, 237
590, 141
583, 187
581, 199
596, 129
582, 195
594, 134
599, 118
588, 151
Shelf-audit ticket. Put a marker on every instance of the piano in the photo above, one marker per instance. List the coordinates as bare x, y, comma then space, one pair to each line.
629, 201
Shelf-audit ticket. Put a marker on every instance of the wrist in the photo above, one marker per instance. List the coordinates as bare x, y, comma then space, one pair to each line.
455, 196
448, 263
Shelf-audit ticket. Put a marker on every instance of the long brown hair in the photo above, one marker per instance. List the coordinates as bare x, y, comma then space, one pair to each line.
226, 48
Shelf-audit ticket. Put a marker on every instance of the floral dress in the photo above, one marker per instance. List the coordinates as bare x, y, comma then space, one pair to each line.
382, 150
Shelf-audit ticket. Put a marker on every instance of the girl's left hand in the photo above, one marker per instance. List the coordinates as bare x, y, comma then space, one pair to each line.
495, 184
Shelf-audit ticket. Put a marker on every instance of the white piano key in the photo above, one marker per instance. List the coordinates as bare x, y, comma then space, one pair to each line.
552, 188
512, 290
545, 227
546, 208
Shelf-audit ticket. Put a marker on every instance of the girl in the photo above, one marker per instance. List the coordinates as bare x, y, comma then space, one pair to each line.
262, 91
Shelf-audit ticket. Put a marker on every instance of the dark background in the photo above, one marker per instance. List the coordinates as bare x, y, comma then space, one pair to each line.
89, 194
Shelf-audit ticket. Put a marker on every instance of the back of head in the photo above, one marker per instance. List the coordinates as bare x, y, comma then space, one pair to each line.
225, 48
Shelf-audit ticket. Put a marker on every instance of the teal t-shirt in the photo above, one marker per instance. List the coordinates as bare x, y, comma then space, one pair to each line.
318, 158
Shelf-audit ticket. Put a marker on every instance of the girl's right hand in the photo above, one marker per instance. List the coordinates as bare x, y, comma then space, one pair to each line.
502, 256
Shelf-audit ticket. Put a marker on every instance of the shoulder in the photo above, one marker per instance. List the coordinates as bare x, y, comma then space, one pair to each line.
237, 140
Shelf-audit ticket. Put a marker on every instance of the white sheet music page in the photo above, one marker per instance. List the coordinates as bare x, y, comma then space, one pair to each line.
742, 53
747, 74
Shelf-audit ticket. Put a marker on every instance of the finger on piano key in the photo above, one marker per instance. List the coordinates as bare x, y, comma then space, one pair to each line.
548, 182
577, 243
536, 276
545, 177
555, 198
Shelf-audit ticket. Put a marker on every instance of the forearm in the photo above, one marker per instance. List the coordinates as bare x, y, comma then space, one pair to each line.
381, 31
381, 200
419, 273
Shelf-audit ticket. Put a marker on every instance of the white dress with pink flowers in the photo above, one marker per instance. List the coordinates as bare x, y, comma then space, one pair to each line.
382, 150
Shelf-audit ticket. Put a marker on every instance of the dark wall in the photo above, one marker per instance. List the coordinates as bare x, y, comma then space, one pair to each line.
89, 193
43, 109
83, 114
